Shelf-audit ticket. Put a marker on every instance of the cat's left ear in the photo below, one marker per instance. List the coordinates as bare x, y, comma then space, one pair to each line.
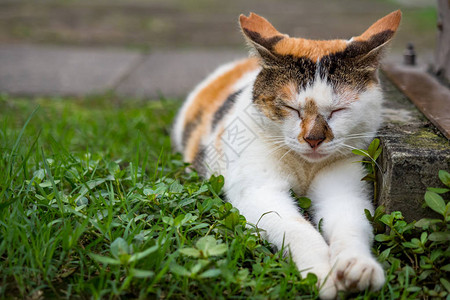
373, 40
261, 35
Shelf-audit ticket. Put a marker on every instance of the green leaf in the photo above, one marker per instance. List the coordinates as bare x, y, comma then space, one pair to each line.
206, 242
383, 237
190, 252
373, 147
198, 226
142, 273
368, 215
113, 168
217, 250
197, 267
232, 220
217, 183
445, 283
304, 202
48, 183
379, 212
397, 215
210, 273
435, 254
413, 289
446, 268
425, 222
384, 255
377, 153
208, 245
410, 245
177, 220
387, 219
424, 275
424, 237
104, 259
140, 255
439, 236
360, 152
435, 202
369, 178
438, 190
444, 176
176, 187
168, 220
179, 270
119, 247
311, 279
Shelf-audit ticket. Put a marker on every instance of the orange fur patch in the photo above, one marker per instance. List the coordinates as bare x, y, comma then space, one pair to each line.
311, 49
289, 91
389, 22
258, 24
209, 100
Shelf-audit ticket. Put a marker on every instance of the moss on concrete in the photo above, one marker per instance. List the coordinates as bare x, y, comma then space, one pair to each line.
426, 138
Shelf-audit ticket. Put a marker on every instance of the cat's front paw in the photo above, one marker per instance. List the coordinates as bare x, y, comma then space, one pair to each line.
356, 272
327, 288
325, 283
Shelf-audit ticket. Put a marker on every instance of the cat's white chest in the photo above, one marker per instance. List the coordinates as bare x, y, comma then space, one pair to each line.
301, 173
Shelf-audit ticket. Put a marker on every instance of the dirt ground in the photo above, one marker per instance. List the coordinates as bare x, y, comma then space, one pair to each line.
151, 24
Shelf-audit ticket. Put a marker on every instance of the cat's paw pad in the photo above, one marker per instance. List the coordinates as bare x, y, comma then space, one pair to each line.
354, 272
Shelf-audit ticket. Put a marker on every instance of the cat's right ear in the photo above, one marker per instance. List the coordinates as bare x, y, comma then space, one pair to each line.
261, 35
374, 39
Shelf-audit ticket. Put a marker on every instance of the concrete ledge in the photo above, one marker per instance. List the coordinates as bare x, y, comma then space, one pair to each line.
413, 152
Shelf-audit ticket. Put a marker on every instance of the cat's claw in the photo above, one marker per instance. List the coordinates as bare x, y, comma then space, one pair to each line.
353, 272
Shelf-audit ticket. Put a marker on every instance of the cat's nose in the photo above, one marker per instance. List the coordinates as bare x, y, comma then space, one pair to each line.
314, 141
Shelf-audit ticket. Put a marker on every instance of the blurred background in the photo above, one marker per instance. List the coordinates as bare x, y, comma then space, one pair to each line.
149, 24
201, 32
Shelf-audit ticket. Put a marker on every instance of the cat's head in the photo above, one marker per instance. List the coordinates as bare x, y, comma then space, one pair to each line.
322, 96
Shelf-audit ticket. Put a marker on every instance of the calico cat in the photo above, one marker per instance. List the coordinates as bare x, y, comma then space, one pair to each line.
286, 119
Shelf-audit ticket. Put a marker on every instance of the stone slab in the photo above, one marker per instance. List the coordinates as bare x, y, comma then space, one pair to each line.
42, 70
174, 73
425, 91
413, 153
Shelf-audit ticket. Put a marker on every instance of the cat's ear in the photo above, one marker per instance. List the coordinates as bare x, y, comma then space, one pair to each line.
374, 39
261, 35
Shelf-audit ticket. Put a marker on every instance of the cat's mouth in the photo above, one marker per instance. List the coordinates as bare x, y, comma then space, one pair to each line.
314, 155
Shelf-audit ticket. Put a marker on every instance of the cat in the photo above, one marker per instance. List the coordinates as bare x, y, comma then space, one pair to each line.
285, 119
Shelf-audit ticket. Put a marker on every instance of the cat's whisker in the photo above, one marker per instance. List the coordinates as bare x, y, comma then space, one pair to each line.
277, 148
363, 135
376, 164
365, 132
278, 143
355, 137
275, 140
287, 152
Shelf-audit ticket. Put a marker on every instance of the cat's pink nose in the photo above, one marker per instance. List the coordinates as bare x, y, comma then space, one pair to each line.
314, 142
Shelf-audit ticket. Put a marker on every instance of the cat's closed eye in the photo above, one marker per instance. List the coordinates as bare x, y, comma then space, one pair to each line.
297, 110
335, 111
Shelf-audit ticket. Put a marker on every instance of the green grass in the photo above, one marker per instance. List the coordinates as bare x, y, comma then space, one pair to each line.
94, 203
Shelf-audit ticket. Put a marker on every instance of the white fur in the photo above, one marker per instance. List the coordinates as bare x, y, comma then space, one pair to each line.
259, 177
